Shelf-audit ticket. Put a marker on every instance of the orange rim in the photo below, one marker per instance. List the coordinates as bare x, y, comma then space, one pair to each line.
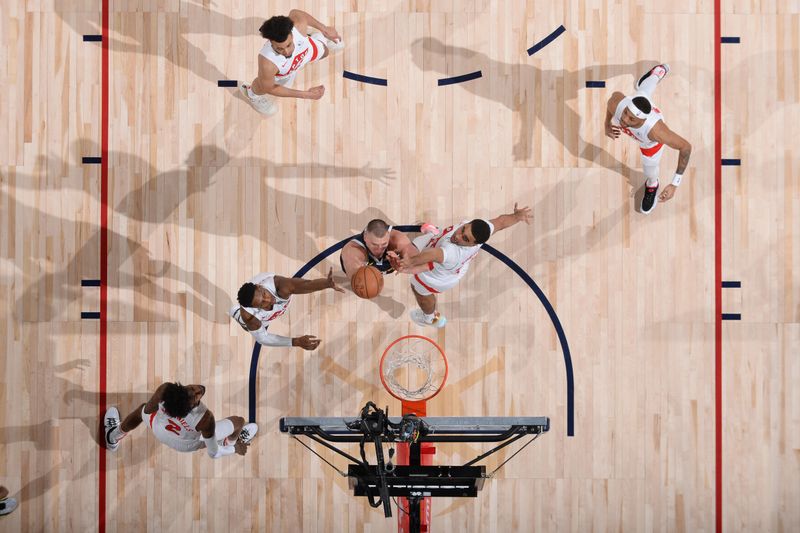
441, 352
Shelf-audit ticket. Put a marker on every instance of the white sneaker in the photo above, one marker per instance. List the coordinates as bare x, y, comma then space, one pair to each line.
262, 103
419, 318
7, 505
248, 432
111, 422
659, 71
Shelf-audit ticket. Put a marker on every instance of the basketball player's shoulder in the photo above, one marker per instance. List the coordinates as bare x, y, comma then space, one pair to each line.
615, 99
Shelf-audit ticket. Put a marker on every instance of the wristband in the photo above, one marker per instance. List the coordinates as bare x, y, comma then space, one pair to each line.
676, 180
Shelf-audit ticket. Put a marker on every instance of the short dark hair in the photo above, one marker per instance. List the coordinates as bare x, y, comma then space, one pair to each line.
277, 28
377, 227
480, 230
177, 401
245, 294
643, 104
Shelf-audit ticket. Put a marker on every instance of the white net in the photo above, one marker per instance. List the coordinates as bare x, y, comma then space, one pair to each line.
413, 368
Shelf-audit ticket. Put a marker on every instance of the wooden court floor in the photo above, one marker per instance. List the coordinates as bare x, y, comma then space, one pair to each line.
203, 193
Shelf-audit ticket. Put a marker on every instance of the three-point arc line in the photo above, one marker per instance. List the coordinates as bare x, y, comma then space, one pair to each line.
492, 251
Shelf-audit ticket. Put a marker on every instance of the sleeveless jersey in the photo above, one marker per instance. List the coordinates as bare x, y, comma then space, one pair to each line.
381, 263
306, 50
647, 146
266, 280
180, 434
456, 261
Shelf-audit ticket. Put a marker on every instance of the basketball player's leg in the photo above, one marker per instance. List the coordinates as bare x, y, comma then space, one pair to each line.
647, 83
426, 315
233, 428
116, 431
650, 167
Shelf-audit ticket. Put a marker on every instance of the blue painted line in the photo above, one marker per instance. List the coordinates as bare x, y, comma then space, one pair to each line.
595, 84
731, 284
730, 40
562, 337
365, 79
93, 38
731, 162
93, 315
90, 283
91, 160
460, 79
731, 316
547, 40
227, 83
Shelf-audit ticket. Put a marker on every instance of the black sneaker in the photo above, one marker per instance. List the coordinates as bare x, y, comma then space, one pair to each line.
660, 71
650, 198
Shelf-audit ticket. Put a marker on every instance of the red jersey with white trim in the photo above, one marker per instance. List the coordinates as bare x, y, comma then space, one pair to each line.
640, 133
306, 50
178, 433
455, 262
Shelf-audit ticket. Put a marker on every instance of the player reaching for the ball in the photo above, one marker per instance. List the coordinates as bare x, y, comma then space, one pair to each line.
444, 258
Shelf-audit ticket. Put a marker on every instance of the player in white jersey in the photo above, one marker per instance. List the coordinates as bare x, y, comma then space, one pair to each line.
288, 49
181, 421
637, 117
266, 296
444, 259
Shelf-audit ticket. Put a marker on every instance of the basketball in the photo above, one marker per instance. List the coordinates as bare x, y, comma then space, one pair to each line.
367, 282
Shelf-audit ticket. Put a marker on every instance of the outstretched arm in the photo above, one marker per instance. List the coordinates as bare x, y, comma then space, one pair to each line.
289, 286
520, 214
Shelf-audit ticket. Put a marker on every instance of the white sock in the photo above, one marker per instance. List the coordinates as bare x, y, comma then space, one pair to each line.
250, 93
652, 182
429, 318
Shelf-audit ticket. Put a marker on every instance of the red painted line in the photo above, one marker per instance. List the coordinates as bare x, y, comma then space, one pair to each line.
718, 260
101, 489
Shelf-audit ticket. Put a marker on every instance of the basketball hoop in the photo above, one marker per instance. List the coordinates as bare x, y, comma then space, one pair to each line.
413, 368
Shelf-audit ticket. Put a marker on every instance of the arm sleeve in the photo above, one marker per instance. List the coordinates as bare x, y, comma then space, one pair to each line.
268, 339
215, 451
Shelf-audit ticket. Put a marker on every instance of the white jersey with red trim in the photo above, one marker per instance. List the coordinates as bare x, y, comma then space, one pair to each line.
640, 133
266, 280
455, 263
306, 50
178, 433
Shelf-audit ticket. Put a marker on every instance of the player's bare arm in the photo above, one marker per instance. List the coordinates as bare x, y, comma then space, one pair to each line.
520, 214
303, 20
207, 425
265, 83
252, 322
431, 255
612, 131
353, 258
661, 133
289, 286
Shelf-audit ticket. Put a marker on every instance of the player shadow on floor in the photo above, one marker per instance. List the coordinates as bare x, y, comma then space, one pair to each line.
73, 402
135, 33
431, 54
57, 286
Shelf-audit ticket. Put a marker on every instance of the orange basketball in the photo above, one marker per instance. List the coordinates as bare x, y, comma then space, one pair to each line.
367, 282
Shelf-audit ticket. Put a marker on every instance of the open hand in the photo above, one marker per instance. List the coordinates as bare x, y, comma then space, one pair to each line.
332, 284
240, 447
522, 214
667, 193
